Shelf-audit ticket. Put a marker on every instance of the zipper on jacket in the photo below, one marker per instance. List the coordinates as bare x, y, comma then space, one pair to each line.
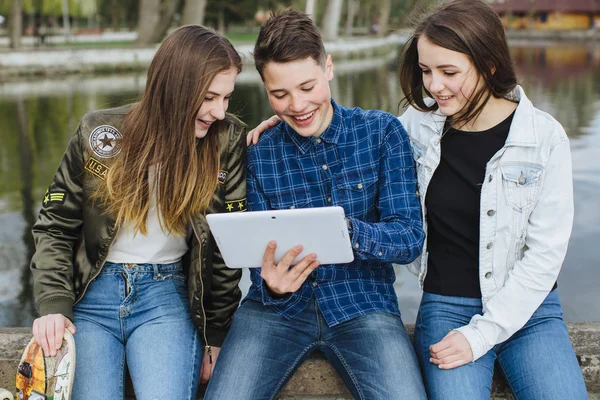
206, 345
99, 269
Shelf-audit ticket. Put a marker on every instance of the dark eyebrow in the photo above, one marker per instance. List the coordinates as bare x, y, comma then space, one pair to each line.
439, 66
302, 84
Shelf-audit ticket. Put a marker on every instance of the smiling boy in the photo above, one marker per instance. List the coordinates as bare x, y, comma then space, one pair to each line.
320, 155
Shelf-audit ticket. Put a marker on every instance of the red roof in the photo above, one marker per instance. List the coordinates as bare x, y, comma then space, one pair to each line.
585, 6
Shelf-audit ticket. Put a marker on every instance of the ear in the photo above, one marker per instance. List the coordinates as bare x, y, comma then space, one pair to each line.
329, 67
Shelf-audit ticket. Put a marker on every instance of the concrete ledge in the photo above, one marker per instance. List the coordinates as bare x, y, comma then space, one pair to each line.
316, 379
64, 61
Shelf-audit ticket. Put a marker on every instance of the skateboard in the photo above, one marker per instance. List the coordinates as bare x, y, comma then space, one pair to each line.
46, 378
5, 395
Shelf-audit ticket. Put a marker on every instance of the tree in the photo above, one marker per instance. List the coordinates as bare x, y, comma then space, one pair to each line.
193, 12
384, 15
352, 8
310, 8
331, 19
155, 18
16, 24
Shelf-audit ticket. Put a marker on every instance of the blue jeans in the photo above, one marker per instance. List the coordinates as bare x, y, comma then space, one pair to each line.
372, 353
136, 315
538, 361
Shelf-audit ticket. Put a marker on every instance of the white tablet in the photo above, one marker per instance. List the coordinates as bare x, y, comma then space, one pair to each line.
243, 237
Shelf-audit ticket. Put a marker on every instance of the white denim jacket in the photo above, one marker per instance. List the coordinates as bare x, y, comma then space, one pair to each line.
526, 216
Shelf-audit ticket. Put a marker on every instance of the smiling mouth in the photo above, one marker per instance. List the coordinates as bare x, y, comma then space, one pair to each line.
443, 98
203, 122
304, 117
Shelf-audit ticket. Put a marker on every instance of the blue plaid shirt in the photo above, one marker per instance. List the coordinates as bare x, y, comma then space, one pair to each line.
362, 162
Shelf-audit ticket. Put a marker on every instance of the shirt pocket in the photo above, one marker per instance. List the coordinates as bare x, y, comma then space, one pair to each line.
357, 190
289, 199
521, 184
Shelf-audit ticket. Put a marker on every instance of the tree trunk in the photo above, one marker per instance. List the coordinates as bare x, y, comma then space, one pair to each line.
148, 19
221, 20
331, 20
385, 11
169, 8
311, 8
352, 7
16, 24
193, 12
66, 22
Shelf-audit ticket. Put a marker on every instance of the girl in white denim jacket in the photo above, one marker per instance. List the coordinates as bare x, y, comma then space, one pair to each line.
496, 192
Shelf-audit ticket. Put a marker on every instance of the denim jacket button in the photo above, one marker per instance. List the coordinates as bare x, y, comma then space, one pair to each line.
491, 213
488, 275
490, 178
489, 245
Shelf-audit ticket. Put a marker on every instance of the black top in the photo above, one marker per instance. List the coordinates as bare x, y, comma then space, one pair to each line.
452, 202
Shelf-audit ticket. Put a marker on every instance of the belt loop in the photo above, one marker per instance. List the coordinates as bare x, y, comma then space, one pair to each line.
156, 272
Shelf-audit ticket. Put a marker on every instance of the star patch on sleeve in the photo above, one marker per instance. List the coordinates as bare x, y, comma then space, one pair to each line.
236, 205
53, 197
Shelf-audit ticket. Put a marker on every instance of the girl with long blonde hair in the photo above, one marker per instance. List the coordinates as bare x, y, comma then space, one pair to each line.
124, 258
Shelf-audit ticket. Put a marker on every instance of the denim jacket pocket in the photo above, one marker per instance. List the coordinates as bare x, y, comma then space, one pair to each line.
289, 199
521, 184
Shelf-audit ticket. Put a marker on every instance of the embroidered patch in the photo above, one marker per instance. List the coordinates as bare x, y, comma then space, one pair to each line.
105, 141
97, 168
236, 205
222, 176
53, 197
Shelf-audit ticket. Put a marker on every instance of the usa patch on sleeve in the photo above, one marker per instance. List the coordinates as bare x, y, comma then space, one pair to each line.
53, 197
97, 168
236, 205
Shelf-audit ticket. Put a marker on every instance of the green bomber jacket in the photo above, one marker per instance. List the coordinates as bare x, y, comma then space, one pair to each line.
73, 233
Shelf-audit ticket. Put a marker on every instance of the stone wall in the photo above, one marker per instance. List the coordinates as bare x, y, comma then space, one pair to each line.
316, 379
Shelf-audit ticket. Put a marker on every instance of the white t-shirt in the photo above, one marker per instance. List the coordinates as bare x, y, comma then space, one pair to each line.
156, 247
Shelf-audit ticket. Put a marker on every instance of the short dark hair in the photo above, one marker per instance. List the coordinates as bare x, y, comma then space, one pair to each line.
470, 27
288, 35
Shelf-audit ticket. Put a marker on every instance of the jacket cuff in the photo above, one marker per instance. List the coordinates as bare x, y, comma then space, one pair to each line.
476, 341
215, 337
57, 305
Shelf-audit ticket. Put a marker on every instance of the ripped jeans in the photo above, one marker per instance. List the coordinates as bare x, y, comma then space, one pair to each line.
136, 315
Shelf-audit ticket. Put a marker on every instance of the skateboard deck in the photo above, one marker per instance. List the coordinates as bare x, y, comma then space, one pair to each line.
46, 378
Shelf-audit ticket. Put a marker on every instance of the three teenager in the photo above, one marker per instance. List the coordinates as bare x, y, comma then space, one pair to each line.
488, 268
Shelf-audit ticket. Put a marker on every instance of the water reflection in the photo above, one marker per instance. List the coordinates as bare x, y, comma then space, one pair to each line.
38, 118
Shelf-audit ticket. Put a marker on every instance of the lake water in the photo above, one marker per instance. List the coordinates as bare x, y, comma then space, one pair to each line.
39, 116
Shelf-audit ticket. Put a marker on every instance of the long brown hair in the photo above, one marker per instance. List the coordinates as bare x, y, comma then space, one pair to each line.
470, 27
159, 131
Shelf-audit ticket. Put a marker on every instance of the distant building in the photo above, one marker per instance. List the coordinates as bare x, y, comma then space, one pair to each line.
548, 14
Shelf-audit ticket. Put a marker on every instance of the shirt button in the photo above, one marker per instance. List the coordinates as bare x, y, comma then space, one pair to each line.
489, 245
488, 275
359, 186
356, 246
318, 140
292, 207
491, 213
324, 167
380, 254
329, 199
315, 284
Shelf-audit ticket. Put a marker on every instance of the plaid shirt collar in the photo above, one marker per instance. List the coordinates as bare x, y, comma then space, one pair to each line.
330, 135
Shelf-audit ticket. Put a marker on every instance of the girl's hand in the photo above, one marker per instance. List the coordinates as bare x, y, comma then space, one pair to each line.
452, 351
49, 330
253, 135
